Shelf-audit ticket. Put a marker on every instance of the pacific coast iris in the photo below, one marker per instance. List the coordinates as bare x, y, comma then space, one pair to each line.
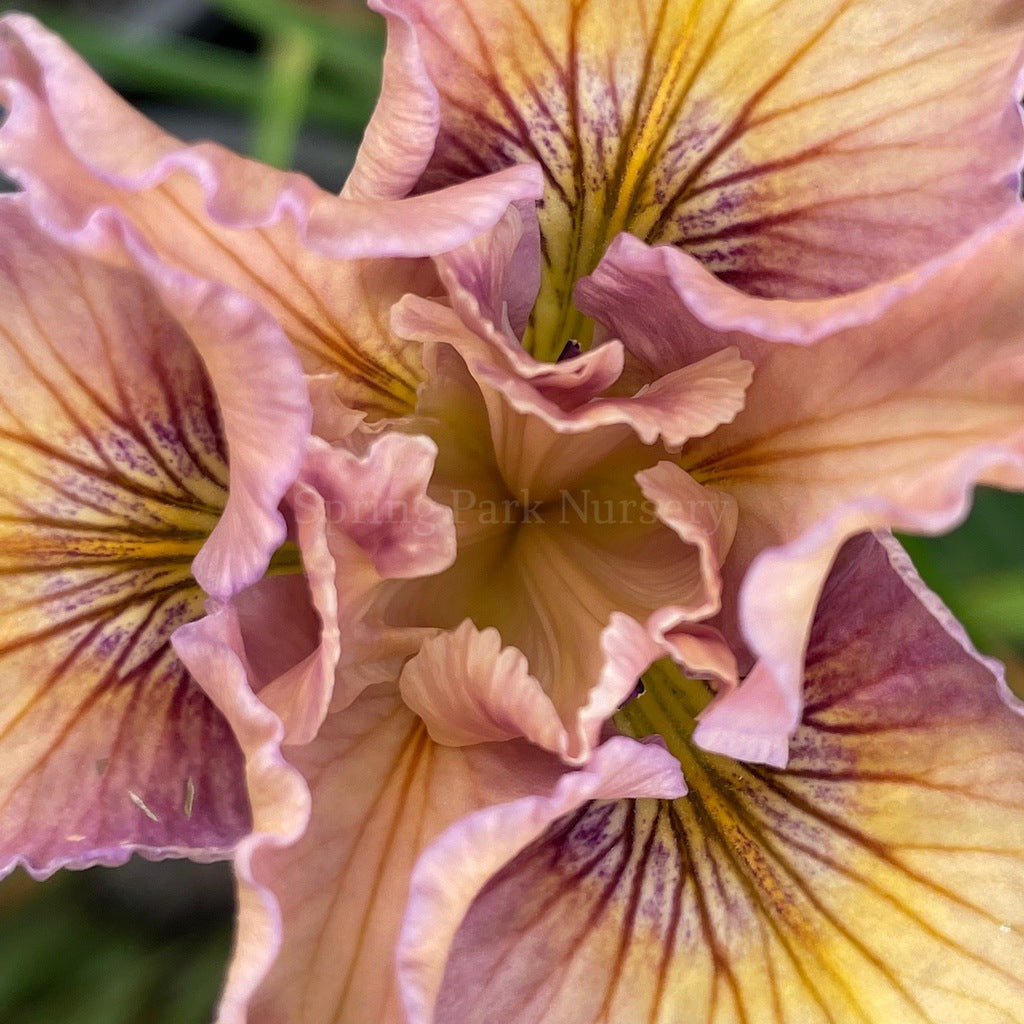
556, 665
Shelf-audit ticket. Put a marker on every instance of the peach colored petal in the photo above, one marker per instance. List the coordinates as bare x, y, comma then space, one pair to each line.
468, 689
213, 650
909, 394
875, 879
98, 175
796, 149
340, 822
114, 474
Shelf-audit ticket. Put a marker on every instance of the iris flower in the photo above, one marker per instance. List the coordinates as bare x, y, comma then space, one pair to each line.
557, 664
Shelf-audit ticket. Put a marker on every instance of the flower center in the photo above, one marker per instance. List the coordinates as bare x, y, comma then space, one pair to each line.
668, 706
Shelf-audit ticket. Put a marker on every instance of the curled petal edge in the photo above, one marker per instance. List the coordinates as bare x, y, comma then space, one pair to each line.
755, 721
453, 870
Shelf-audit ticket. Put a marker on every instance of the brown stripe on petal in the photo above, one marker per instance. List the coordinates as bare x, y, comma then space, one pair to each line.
877, 878
796, 149
113, 473
336, 312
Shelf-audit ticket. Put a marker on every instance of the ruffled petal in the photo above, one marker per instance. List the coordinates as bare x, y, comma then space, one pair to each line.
910, 394
323, 884
468, 689
492, 280
458, 865
688, 402
364, 517
114, 474
878, 878
90, 164
569, 395
797, 150
289, 624
613, 541
214, 652
260, 392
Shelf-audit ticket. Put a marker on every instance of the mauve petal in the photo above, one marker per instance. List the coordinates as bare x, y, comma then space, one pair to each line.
454, 869
910, 393
400, 137
89, 162
253, 369
289, 625
703, 653
114, 473
366, 521
797, 149
492, 279
877, 879
294, 661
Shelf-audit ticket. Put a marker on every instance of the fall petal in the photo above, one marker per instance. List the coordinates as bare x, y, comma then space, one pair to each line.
877, 878
453, 869
381, 791
114, 469
910, 394
798, 150
92, 166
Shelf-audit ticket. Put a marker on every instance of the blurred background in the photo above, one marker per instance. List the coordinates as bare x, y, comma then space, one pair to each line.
293, 83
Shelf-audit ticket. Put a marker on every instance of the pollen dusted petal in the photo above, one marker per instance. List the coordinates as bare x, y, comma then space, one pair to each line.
114, 473
91, 165
877, 879
883, 411
797, 149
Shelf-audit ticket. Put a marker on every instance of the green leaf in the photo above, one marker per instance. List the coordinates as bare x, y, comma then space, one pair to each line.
290, 64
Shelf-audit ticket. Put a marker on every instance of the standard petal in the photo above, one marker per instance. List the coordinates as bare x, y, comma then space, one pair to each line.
365, 518
91, 165
878, 878
797, 149
114, 473
910, 394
